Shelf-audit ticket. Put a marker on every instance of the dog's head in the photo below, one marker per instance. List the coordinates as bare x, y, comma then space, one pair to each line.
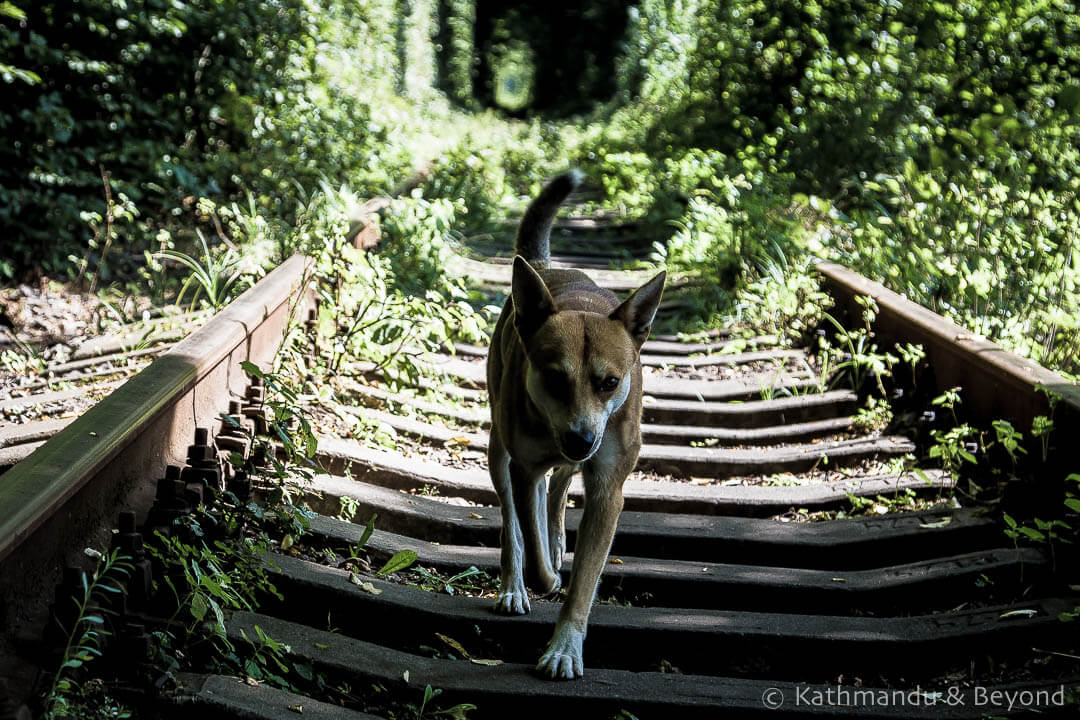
580, 364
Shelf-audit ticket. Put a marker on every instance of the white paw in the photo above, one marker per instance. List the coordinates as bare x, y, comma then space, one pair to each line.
563, 657
512, 600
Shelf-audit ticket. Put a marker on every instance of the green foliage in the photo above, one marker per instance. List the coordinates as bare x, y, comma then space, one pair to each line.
172, 100
948, 400
417, 233
880, 505
931, 146
471, 178
912, 355
152, 94
951, 447
490, 168
471, 580
213, 277
215, 561
874, 416
66, 696
368, 530
1000, 258
401, 560
288, 424
206, 577
121, 210
457, 61
734, 234
782, 299
1041, 426
852, 353
1042, 531
382, 307
1072, 494
1009, 438
458, 712
631, 180
831, 90
265, 659
1051, 533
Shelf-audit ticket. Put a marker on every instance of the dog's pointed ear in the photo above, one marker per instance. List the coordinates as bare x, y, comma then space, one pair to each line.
533, 303
638, 311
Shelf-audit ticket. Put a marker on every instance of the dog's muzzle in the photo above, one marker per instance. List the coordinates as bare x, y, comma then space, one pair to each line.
577, 446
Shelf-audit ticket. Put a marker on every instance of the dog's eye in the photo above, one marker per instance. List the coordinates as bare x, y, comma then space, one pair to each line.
609, 383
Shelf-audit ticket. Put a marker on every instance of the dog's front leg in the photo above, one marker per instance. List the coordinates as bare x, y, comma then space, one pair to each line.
603, 503
512, 598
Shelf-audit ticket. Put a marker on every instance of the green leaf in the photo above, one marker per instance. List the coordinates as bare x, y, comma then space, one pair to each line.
198, 606
11, 11
368, 530
219, 618
1033, 534
458, 712
252, 369
400, 561
212, 586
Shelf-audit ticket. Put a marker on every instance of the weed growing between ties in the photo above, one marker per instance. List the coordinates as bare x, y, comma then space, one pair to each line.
85, 627
1056, 530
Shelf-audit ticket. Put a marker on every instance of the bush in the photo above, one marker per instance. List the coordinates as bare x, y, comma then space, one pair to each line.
932, 146
1002, 260
154, 94
207, 98
416, 237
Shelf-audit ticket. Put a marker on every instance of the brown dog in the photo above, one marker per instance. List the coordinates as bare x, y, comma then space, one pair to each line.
564, 380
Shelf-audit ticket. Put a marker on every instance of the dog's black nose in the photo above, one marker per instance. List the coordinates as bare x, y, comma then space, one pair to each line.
576, 446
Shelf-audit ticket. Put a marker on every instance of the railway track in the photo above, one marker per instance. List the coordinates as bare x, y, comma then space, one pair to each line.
719, 595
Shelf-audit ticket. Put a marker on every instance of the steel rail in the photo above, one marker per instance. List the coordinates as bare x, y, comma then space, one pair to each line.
65, 494
1003, 384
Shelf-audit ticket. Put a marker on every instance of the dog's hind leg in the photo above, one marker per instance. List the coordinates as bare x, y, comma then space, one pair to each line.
558, 487
530, 495
512, 598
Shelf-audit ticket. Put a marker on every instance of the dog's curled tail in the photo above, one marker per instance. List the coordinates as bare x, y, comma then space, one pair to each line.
534, 233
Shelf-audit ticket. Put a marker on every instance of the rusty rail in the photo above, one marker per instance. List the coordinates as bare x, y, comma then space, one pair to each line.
1001, 384
66, 493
